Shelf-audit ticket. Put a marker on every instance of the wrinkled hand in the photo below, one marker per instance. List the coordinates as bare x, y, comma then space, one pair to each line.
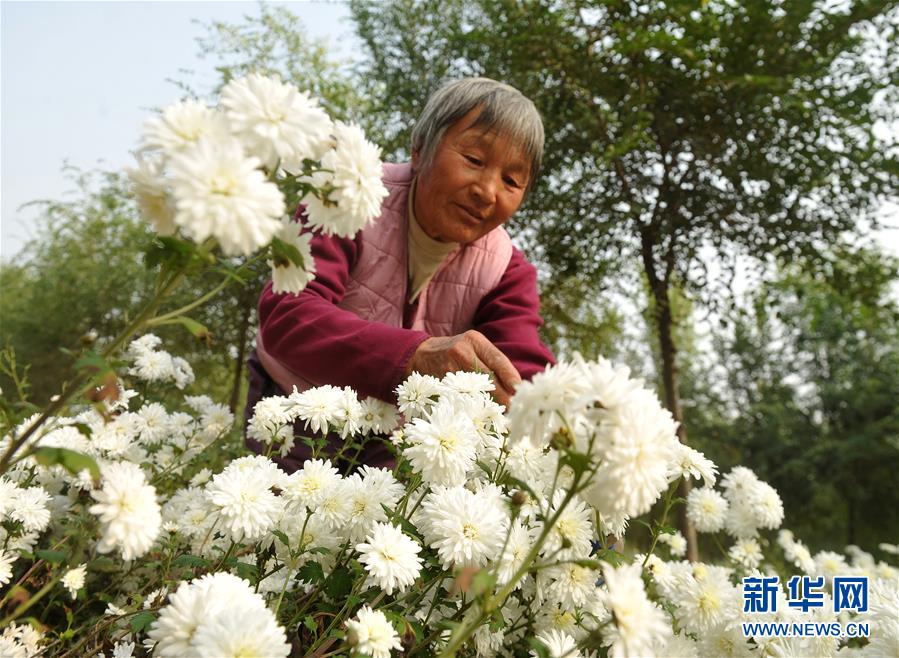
469, 351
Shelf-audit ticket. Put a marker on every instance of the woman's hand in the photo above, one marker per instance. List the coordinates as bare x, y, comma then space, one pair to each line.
469, 351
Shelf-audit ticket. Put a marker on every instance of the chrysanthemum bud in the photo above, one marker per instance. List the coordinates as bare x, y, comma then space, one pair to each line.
519, 498
561, 440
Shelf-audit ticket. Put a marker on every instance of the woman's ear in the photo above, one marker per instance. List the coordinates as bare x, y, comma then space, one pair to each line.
416, 160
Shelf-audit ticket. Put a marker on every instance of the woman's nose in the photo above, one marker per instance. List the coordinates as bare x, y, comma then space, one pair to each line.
484, 190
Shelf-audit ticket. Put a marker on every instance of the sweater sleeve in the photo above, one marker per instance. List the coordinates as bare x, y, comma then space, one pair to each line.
509, 316
310, 335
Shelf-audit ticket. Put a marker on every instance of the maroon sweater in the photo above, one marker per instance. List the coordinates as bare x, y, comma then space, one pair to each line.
325, 344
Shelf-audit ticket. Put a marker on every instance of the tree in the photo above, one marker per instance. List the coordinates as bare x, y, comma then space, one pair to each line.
813, 376
676, 132
83, 259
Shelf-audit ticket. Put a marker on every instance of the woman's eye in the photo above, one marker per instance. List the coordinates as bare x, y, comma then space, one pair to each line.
473, 160
512, 182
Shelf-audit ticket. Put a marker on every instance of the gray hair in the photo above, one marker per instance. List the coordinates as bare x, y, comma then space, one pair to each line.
504, 109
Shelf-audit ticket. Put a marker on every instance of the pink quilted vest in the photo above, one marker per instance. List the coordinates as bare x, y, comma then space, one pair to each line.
377, 287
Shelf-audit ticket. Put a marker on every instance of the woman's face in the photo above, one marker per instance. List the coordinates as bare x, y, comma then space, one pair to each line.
475, 183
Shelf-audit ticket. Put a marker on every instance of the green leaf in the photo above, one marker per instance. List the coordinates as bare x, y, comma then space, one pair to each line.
141, 621
309, 622
283, 537
194, 327
103, 564
578, 462
190, 561
339, 583
73, 462
83, 429
53, 557
246, 571
284, 253
538, 647
484, 581
311, 572
92, 361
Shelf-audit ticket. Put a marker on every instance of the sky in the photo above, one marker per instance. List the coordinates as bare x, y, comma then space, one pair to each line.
78, 79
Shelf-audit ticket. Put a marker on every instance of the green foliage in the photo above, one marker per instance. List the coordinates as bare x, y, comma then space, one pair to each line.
276, 43
812, 379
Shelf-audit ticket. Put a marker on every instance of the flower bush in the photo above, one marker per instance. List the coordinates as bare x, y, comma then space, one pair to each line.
130, 527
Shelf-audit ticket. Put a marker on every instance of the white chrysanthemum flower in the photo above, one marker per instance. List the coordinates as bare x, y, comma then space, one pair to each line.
308, 486
221, 193
120, 650
738, 483
321, 407
539, 405
727, 641
9, 490
336, 505
287, 276
676, 543
442, 447
468, 383
153, 194
247, 507
572, 585
152, 423
516, 550
350, 413
73, 579
706, 600
201, 477
690, 463
241, 630
681, 646
127, 507
558, 645
217, 615
182, 373
368, 492
741, 521
377, 417
32, 508
370, 634
767, 506
272, 420
216, 419
573, 531
181, 125
746, 552
830, 564
351, 173
276, 122
417, 394
707, 509
390, 558
7, 559
640, 628
532, 464
465, 528
153, 366
636, 442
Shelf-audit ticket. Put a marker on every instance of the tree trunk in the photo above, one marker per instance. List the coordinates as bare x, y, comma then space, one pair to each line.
665, 330
241, 357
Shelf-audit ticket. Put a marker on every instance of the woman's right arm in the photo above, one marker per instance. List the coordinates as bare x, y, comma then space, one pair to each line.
325, 344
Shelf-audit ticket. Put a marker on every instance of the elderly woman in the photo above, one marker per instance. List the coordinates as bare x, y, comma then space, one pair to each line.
435, 284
